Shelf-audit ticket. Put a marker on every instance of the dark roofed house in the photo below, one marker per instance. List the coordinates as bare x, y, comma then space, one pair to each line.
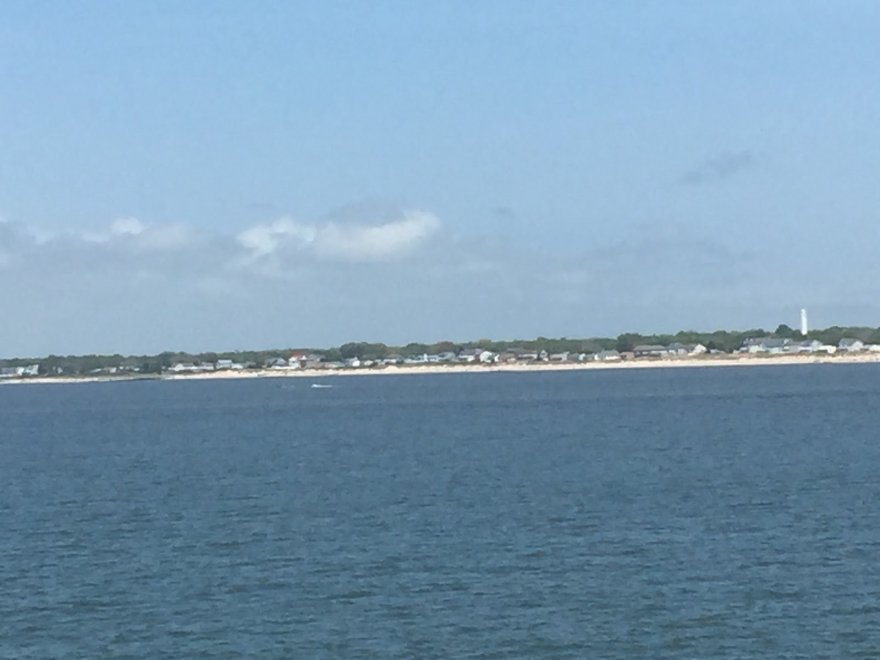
806, 346
765, 345
650, 350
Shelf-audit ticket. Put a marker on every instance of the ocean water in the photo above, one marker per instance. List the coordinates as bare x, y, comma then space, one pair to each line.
654, 513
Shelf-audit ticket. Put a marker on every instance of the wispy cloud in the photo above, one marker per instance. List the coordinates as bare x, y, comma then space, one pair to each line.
135, 234
387, 240
129, 241
264, 239
719, 167
347, 241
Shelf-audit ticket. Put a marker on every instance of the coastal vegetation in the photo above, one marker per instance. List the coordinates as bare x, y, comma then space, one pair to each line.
723, 341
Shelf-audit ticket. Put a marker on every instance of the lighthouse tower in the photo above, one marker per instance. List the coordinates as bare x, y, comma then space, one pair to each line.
804, 328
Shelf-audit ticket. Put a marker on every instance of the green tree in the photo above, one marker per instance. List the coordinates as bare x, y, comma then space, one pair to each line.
627, 341
785, 332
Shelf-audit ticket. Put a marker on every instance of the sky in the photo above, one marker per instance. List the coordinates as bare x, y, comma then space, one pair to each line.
184, 175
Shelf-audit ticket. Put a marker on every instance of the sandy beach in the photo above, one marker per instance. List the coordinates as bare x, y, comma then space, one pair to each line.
412, 370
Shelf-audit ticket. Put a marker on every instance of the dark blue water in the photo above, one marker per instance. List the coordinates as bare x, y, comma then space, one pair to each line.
656, 513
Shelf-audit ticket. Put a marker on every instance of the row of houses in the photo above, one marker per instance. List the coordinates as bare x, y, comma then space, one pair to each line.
20, 372
674, 349
759, 345
296, 361
466, 356
776, 346
201, 367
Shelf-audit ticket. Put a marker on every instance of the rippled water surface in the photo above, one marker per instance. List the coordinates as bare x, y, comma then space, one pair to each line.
665, 513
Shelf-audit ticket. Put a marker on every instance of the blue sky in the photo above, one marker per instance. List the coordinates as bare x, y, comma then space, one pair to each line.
189, 175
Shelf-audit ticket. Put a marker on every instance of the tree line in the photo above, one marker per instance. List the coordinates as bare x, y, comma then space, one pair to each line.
723, 340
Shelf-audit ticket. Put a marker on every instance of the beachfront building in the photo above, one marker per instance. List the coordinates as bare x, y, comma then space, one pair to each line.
650, 350
807, 346
476, 355
296, 361
776, 346
190, 367
299, 360
765, 345
19, 372
469, 354
851, 345
182, 367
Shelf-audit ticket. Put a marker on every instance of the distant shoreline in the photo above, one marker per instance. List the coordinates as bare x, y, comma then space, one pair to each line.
410, 370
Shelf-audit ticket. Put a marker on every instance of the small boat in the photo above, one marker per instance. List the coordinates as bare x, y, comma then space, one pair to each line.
320, 386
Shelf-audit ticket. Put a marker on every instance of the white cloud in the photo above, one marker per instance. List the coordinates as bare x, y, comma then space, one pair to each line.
137, 234
127, 227
263, 240
347, 241
387, 240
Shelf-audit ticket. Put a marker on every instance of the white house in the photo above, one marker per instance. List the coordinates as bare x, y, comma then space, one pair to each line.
228, 364
607, 356
486, 357
13, 372
765, 345
851, 345
183, 367
811, 346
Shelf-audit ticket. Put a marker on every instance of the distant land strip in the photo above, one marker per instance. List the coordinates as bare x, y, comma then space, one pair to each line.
682, 348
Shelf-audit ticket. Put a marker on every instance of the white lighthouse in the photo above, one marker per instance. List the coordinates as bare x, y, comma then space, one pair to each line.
804, 327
